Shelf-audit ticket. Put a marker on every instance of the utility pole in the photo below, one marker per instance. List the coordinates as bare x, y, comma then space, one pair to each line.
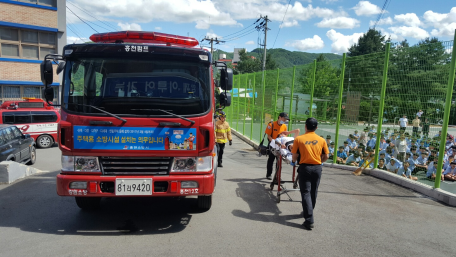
212, 40
264, 27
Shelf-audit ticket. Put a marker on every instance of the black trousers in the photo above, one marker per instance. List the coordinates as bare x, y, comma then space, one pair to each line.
309, 180
220, 148
270, 164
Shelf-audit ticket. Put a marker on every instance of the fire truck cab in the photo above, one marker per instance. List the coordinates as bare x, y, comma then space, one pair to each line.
137, 117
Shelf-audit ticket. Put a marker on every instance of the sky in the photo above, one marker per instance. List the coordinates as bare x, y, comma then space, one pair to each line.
316, 26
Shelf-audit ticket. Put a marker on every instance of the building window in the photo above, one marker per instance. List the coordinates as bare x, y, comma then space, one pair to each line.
11, 92
51, 3
27, 44
32, 92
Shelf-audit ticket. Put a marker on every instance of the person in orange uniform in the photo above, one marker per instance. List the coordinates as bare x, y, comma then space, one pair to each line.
222, 135
310, 150
273, 130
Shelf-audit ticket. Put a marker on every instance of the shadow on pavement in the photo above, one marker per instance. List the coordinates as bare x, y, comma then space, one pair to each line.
33, 205
262, 203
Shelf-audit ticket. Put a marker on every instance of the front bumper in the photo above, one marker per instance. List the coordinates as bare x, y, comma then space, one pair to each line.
161, 185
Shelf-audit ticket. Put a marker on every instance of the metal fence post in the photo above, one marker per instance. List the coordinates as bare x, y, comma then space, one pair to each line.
382, 103
238, 102
276, 92
312, 88
339, 109
245, 103
446, 115
253, 108
263, 80
290, 123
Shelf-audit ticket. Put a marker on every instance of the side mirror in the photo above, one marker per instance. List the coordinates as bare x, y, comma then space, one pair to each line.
48, 94
226, 79
225, 99
60, 67
46, 72
25, 136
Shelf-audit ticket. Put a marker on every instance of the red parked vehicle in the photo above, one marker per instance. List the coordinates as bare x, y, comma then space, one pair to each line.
33, 117
137, 117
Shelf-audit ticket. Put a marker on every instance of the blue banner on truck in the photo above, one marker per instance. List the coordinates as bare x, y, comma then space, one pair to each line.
134, 138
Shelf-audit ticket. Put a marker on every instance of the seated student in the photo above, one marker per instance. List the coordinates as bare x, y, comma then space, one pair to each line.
346, 148
372, 141
450, 172
364, 161
383, 156
393, 166
353, 159
432, 171
405, 171
328, 140
331, 150
356, 135
421, 165
352, 142
381, 164
341, 155
413, 161
383, 144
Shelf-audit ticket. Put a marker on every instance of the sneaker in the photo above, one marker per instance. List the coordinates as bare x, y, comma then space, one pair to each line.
268, 177
308, 226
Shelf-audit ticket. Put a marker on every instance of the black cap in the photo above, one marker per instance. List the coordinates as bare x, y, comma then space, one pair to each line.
416, 154
341, 147
284, 115
222, 114
328, 137
453, 162
311, 123
332, 143
345, 142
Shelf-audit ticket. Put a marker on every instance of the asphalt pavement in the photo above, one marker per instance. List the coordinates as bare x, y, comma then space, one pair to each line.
354, 216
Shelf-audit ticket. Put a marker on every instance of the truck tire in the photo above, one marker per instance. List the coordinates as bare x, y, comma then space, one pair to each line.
204, 202
88, 203
44, 141
32, 156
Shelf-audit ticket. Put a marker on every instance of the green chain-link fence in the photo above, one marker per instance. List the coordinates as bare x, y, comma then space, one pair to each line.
374, 91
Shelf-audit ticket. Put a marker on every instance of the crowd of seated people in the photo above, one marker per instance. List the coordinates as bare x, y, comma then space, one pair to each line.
399, 153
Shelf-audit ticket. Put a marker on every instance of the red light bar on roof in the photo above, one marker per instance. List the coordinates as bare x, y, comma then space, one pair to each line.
143, 37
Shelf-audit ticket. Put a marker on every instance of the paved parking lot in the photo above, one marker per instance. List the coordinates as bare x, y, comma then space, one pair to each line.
355, 216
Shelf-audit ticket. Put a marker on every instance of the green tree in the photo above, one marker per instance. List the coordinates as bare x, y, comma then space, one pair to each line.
371, 42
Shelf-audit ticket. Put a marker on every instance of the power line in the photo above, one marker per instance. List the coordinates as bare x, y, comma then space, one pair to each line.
281, 24
81, 19
74, 32
85, 11
241, 29
241, 35
380, 15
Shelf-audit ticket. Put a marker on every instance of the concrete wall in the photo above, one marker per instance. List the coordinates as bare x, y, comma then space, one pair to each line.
12, 171
20, 71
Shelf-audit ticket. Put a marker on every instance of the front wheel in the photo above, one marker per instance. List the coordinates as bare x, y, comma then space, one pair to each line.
45, 141
204, 202
88, 203
32, 156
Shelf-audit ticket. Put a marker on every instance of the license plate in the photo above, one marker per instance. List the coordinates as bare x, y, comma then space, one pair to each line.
133, 186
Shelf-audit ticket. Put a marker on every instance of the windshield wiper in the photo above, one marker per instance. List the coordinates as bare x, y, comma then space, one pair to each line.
103, 111
170, 113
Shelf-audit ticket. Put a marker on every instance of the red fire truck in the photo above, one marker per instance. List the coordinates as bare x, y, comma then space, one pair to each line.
33, 117
137, 117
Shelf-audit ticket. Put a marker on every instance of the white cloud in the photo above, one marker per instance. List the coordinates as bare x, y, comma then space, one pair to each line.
406, 32
444, 23
76, 40
129, 26
385, 21
366, 8
158, 28
341, 42
409, 19
393, 36
338, 23
287, 24
203, 13
250, 42
314, 43
445, 31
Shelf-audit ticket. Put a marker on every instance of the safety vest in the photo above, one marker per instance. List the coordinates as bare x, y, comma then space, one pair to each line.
222, 132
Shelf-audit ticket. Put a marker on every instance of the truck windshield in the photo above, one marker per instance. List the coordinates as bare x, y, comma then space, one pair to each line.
132, 87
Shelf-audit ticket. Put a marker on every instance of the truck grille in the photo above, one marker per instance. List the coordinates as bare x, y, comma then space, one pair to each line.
136, 165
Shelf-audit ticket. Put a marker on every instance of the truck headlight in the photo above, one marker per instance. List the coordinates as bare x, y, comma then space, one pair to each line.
80, 163
192, 164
